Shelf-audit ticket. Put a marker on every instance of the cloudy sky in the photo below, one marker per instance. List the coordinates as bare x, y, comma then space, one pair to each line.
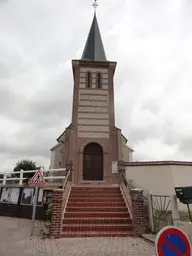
150, 39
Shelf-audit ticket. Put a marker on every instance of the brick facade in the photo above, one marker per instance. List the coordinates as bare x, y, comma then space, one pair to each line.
59, 201
138, 212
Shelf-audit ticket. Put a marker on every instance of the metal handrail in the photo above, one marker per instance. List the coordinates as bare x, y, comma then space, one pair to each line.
127, 185
66, 179
125, 180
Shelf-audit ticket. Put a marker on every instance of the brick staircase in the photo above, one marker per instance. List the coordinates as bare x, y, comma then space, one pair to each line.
96, 211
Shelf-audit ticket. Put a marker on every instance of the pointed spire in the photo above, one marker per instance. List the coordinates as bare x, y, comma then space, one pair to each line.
94, 49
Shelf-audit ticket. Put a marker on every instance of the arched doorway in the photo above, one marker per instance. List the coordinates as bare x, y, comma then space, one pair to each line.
93, 162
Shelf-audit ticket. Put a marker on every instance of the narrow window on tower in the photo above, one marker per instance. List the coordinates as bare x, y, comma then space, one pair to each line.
99, 81
88, 80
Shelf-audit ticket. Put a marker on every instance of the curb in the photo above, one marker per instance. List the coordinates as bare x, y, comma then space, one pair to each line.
149, 240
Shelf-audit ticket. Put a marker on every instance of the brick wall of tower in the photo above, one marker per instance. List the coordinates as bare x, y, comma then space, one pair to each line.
93, 104
93, 116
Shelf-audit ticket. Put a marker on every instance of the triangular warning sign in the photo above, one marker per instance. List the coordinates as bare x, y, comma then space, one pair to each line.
37, 179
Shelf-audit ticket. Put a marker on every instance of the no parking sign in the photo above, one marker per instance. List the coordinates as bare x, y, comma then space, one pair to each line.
171, 241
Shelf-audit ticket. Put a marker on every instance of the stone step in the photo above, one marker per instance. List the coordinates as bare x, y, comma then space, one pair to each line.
96, 204
103, 189
99, 194
109, 190
113, 214
106, 220
95, 199
97, 234
95, 209
97, 227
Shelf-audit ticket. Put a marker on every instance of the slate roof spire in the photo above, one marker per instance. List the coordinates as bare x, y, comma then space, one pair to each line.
94, 49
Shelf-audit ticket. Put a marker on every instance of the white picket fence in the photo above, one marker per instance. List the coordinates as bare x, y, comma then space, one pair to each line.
20, 179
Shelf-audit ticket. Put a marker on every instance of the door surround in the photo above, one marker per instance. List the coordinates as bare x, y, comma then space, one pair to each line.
79, 162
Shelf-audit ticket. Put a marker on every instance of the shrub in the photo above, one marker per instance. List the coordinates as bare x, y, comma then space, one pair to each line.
49, 212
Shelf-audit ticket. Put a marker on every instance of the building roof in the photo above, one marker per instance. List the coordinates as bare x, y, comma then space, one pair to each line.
57, 145
64, 132
155, 163
94, 49
124, 138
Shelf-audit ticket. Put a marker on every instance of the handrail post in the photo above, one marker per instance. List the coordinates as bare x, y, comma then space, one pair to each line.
66, 179
21, 177
4, 178
69, 165
69, 168
174, 210
150, 210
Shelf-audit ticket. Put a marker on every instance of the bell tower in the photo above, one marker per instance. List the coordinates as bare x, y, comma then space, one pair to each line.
93, 112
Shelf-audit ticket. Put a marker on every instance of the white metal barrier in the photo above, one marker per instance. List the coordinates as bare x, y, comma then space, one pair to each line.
20, 179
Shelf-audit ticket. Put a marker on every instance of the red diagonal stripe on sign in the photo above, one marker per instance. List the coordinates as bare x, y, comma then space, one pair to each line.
173, 248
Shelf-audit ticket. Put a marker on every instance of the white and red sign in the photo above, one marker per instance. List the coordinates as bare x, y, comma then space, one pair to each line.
37, 179
172, 241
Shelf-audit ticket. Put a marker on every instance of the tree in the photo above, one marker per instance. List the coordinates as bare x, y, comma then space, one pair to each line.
26, 165
1, 177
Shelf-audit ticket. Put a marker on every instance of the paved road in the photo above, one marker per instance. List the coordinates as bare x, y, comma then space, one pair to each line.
15, 240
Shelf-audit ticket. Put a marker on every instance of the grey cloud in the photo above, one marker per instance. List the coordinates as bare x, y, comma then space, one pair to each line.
47, 107
7, 98
143, 156
37, 42
4, 71
28, 141
184, 143
152, 106
170, 136
137, 134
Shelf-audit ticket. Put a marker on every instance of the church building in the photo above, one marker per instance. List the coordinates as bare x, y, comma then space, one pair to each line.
92, 141
97, 199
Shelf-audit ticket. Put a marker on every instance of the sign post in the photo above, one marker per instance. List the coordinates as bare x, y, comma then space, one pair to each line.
34, 209
172, 241
36, 180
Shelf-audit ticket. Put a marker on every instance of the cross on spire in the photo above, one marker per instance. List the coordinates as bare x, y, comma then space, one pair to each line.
95, 5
